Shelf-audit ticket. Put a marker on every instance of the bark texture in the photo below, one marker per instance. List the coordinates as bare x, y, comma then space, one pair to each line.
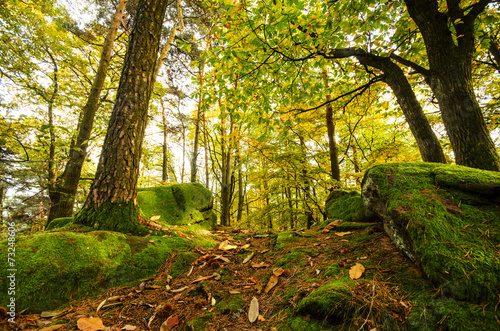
451, 54
63, 197
116, 178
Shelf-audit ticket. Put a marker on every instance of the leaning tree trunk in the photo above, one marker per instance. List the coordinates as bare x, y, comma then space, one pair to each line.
451, 55
112, 200
63, 197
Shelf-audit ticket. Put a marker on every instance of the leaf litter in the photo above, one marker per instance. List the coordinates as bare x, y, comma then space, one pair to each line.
164, 302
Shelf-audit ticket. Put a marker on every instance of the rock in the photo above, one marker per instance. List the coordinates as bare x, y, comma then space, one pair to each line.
446, 219
178, 204
347, 206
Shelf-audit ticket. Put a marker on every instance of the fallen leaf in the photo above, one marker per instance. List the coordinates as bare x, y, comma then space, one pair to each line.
179, 289
90, 324
129, 327
234, 292
273, 329
260, 265
101, 304
213, 301
273, 280
248, 258
253, 280
278, 272
261, 318
49, 314
253, 311
341, 234
356, 271
52, 327
155, 218
220, 257
331, 225
317, 271
229, 247
223, 244
170, 323
264, 251
245, 246
151, 241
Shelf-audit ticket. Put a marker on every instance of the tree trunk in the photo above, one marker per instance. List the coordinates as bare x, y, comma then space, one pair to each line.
428, 144
67, 184
451, 57
112, 200
164, 173
197, 125
332, 143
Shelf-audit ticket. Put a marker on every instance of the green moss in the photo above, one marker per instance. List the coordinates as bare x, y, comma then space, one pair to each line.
120, 217
294, 257
200, 322
53, 268
295, 323
178, 204
182, 263
329, 302
59, 223
286, 238
347, 206
231, 303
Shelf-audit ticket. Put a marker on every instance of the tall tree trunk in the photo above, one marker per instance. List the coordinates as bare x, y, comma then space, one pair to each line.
332, 143
197, 124
164, 173
427, 141
241, 193
112, 200
226, 169
52, 176
63, 198
205, 145
451, 55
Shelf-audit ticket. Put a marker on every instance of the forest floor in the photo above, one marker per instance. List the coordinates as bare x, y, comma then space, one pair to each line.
219, 288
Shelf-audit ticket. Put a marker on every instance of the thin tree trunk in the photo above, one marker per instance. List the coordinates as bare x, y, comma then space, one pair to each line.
332, 144
164, 174
112, 200
67, 184
197, 124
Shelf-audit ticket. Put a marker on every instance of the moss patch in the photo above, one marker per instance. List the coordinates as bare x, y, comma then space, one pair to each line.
347, 206
59, 223
53, 268
178, 204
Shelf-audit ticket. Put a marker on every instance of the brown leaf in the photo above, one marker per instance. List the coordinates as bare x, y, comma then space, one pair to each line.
170, 323
278, 271
272, 283
52, 327
253, 311
356, 271
129, 328
260, 265
253, 280
223, 244
234, 292
341, 234
90, 324
331, 226
248, 258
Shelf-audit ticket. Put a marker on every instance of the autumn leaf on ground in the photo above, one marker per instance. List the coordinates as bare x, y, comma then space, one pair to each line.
245, 246
155, 218
129, 328
260, 265
278, 272
253, 311
272, 283
331, 226
170, 323
341, 234
253, 280
52, 327
90, 324
356, 271
248, 258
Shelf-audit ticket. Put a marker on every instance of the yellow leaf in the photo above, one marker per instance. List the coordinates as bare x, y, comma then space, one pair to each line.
253, 311
341, 234
356, 271
272, 283
155, 218
90, 324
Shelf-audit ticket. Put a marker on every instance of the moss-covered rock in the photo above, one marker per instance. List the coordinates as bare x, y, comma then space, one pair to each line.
446, 218
178, 204
347, 206
53, 268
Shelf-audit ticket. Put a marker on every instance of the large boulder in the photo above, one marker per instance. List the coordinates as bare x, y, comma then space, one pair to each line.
347, 206
51, 268
178, 204
446, 219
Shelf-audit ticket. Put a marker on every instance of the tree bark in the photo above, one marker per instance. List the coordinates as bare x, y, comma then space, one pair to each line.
164, 173
428, 144
112, 200
451, 58
63, 198
332, 143
197, 124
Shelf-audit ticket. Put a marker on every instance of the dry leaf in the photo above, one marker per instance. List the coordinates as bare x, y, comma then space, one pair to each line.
129, 327
253, 280
264, 251
341, 234
318, 271
229, 247
331, 226
179, 289
278, 272
273, 329
272, 283
234, 292
90, 324
356, 271
253, 311
245, 246
260, 265
248, 258
49, 314
170, 323
155, 218
261, 318
223, 244
52, 327
220, 257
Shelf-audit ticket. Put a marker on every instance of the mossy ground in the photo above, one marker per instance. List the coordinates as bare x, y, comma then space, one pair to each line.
347, 206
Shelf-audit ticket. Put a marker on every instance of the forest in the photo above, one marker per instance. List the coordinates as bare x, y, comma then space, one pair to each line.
272, 106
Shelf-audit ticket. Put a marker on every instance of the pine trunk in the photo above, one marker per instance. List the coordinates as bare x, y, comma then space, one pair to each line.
112, 200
